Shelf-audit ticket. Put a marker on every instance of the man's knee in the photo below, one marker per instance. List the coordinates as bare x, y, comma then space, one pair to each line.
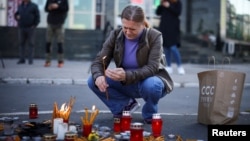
90, 82
153, 88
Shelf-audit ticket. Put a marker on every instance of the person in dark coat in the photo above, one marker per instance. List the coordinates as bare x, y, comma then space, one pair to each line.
28, 18
169, 11
57, 13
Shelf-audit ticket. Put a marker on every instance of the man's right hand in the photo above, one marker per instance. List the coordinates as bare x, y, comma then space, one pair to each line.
101, 83
166, 4
53, 6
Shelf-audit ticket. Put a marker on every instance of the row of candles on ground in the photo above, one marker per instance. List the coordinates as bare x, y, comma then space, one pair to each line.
136, 129
61, 117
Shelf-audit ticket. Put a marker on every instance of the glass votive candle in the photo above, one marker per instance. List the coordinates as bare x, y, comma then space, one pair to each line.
33, 111
70, 136
117, 125
136, 132
156, 125
125, 121
8, 126
86, 130
49, 137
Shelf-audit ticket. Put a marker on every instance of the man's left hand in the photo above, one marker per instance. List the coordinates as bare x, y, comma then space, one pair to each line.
117, 74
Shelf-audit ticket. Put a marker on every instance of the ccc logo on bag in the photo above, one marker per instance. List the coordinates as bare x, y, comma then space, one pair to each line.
207, 90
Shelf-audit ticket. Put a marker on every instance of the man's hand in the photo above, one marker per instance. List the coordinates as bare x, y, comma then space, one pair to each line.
53, 6
101, 83
165, 4
117, 74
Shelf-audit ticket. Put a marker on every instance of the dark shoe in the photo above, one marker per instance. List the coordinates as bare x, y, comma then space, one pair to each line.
117, 116
132, 106
47, 64
148, 121
60, 65
21, 62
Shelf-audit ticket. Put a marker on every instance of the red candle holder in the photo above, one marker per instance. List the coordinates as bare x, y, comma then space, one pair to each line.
66, 120
117, 125
136, 132
33, 111
125, 121
86, 130
156, 125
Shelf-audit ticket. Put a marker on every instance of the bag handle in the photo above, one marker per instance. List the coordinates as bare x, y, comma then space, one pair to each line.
226, 58
211, 58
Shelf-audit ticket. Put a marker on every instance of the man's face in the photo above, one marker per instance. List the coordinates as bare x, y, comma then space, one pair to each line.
131, 29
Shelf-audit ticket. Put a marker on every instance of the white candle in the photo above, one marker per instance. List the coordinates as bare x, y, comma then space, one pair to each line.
62, 129
56, 123
72, 128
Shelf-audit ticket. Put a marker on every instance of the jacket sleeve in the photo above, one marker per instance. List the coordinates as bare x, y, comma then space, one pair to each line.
16, 14
174, 8
64, 6
37, 16
46, 7
97, 66
158, 10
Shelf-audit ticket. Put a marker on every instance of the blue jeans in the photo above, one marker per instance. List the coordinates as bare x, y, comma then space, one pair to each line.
176, 54
150, 89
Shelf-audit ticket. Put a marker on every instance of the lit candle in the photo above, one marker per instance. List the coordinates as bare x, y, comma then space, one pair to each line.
64, 110
56, 123
93, 109
156, 125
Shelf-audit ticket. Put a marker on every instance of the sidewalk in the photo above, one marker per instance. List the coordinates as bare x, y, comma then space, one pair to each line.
77, 72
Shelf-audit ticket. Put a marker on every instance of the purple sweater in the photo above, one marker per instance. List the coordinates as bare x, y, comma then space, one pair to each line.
129, 57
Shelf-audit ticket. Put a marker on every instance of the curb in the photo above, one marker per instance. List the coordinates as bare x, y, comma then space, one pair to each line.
56, 81
59, 81
106, 112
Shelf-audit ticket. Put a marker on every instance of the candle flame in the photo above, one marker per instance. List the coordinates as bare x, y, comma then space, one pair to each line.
64, 107
93, 108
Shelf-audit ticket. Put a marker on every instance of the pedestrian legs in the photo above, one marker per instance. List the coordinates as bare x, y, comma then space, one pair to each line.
22, 40
31, 44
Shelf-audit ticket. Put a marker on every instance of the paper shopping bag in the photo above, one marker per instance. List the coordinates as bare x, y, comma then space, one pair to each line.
220, 93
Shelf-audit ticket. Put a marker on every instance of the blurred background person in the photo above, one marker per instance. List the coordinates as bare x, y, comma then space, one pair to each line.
57, 14
169, 12
27, 17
